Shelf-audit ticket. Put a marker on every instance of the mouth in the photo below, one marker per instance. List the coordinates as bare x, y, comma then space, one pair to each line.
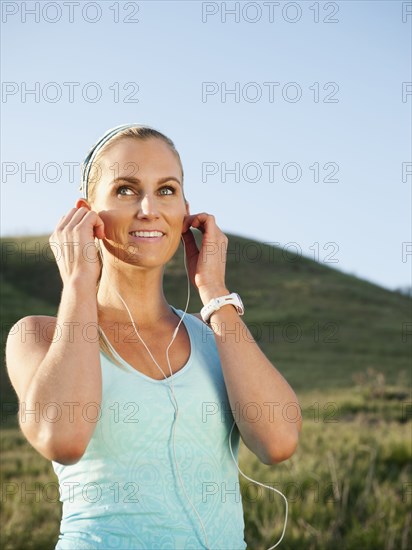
146, 236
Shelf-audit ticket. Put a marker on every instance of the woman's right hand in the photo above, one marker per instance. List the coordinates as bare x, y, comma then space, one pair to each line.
73, 245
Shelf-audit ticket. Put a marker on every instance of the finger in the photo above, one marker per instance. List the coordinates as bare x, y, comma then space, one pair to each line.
66, 217
190, 244
93, 218
205, 222
187, 221
199, 221
99, 228
77, 217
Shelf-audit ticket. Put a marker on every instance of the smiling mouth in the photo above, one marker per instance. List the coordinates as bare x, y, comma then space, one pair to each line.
146, 234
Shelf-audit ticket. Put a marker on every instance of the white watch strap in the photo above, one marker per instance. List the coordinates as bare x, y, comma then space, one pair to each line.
216, 303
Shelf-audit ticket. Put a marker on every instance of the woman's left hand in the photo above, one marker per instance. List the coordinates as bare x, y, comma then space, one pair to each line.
206, 267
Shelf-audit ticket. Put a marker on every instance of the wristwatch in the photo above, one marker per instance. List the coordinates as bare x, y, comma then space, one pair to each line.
216, 303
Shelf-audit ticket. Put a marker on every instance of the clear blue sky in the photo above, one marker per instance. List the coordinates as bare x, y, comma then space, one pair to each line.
166, 52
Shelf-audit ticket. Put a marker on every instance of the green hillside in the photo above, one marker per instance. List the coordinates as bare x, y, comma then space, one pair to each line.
341, 343
318, 325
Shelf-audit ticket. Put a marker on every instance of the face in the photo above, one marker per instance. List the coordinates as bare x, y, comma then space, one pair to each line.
139, 189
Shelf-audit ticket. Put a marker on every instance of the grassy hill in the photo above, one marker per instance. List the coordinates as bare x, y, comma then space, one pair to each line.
340, 342
318, 325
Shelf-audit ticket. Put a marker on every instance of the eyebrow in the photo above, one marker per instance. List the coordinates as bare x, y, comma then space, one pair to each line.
136, 181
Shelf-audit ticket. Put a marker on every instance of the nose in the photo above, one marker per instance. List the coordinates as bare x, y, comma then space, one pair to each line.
148, 207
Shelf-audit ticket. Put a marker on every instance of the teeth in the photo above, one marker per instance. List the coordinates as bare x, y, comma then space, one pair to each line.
146, 233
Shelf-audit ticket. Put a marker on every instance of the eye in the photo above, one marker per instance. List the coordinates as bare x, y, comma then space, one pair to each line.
168, 187
122, 187
165, 187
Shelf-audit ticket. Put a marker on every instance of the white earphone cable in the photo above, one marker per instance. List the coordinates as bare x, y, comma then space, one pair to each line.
171, 386
262, 485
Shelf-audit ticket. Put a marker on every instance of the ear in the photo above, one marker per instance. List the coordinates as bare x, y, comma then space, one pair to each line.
187, 208
83, 202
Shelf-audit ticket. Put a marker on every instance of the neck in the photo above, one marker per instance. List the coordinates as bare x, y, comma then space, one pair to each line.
141, 289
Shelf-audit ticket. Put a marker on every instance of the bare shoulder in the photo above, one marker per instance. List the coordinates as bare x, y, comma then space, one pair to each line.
27, 343
30, 323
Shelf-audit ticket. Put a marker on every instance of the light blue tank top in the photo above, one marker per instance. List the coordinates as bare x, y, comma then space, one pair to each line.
125, 492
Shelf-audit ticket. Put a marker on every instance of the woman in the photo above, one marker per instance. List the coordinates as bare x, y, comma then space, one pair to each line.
138, 436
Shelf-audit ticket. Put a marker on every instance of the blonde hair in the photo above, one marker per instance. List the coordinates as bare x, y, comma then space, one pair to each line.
141, 133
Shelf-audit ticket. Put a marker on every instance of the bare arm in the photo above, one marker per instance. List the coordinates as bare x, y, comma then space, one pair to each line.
265, 407
56, 373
